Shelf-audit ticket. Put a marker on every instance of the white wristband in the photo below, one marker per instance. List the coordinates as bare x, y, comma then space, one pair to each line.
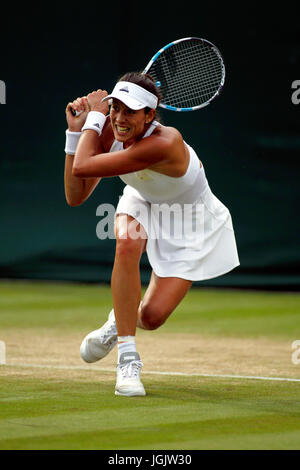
94, 121
71, 141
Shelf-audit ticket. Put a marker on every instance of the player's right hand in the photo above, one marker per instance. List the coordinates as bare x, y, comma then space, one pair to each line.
75, 123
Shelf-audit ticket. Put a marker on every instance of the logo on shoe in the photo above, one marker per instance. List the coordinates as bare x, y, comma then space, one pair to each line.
129, 358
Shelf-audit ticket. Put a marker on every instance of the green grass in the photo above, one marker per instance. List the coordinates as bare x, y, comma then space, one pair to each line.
209, 311
239, 313
176, 414
67, 410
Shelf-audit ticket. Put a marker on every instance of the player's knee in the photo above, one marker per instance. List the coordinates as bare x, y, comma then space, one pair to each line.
128, 248
152, 317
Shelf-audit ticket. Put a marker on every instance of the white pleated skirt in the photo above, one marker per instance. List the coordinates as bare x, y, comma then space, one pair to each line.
195, 241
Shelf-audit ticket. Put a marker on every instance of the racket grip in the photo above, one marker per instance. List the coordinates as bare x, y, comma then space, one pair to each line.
75, 113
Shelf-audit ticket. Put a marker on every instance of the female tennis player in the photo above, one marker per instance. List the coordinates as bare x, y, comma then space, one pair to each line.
164, 178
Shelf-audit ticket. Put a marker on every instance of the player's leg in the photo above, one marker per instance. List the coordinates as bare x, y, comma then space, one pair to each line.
160, 300
126, 293
126, 284
131, 241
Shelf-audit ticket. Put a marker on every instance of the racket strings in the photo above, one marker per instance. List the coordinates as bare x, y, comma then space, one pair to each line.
197, 81
190, 74
202, 61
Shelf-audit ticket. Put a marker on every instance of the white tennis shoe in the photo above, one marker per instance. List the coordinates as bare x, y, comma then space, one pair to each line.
99, 343
128, 375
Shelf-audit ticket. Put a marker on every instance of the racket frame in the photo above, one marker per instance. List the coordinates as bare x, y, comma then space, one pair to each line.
202, 105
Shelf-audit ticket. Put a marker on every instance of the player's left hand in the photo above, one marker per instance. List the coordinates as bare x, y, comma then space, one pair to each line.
95, 101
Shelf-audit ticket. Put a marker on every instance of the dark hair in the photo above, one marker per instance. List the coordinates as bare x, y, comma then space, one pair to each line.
145, 81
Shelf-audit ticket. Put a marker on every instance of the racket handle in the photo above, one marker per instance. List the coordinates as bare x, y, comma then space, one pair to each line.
75, 113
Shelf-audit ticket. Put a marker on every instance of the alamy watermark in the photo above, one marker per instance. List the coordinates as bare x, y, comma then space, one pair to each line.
296, 353
295, 94
161, 221
2, 92
2, 353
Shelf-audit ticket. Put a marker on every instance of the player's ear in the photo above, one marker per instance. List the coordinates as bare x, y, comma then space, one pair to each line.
150, 115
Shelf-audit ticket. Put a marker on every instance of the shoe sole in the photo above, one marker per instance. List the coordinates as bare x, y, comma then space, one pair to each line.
141, 393
86, 357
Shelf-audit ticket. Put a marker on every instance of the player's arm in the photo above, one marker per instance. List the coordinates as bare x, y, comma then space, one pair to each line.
77, 189
143, 154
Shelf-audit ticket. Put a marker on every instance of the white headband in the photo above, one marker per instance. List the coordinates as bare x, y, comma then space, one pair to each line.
134, 96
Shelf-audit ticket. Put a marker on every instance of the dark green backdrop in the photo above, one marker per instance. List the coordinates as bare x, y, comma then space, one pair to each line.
248, 139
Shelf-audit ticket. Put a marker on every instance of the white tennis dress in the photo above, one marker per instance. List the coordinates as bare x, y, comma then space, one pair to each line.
190, 232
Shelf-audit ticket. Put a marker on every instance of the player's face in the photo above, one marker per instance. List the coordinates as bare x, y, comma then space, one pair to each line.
128, 125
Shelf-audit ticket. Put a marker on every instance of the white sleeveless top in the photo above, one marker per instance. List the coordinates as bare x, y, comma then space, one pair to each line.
203, 246
156, 187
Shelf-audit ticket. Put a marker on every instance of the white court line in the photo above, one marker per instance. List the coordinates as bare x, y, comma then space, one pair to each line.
179, 374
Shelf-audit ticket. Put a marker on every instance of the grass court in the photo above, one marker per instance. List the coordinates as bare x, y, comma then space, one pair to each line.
218, 375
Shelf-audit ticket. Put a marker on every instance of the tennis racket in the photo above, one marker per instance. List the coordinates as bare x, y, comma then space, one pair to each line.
189, 72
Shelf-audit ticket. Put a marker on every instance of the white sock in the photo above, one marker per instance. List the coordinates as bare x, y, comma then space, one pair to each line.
126, 344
